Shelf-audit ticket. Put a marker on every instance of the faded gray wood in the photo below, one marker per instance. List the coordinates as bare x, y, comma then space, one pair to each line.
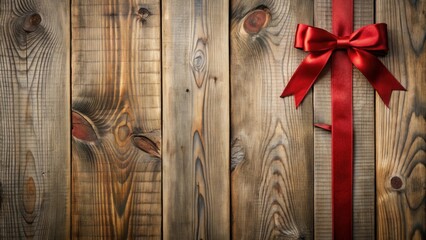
196, 202
116, 105
34, 119
401, 130
272, 150
364, 148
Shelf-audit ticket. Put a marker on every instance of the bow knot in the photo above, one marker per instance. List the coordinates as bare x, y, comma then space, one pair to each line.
361, 46
343, 42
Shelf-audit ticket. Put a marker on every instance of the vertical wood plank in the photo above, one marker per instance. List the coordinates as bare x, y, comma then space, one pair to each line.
401, 130
196, 200
272, 141
364, 148
322, 139
364, 140
116, 103
34, 119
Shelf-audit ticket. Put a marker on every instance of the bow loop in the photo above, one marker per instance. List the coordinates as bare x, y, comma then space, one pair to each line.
312, 39
372, 38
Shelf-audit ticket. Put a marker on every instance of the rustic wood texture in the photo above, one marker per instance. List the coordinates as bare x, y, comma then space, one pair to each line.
272, 141
116, 103
196, 202
34, 119
401, 130
364, 149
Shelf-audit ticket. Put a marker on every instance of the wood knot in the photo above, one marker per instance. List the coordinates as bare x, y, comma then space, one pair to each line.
396, 183
32, 22
123, 132
199, 61
123, 129
143, 14
237, 153
256, 20
82, 128
149, 143
30, 195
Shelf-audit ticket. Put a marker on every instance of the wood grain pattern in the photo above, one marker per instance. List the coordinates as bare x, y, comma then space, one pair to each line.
272, 179
116, 102
401, 130
363, 126
34, 119
196, 202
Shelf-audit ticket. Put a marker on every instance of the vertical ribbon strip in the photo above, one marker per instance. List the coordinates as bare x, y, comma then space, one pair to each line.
342, 127
345, 48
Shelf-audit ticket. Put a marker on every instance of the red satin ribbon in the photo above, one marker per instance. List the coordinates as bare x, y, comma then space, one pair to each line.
344, 48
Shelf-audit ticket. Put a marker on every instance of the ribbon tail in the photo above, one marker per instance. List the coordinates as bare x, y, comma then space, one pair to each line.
376, 73
306, 75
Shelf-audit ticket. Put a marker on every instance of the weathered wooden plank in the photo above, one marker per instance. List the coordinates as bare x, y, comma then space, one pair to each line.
272, 141
364, 140
196, 202
34, 119
364, 149
116, 103
322, 139
401, 130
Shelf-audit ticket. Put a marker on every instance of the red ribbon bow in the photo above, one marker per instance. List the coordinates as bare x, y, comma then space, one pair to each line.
361, 47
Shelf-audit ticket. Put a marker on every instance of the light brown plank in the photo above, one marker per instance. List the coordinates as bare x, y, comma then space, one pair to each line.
116, 102
34, 119
401, 130
364, 149
196, 201
272, 150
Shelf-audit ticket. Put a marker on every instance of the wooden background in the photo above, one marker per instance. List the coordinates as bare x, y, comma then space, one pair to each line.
149, 119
